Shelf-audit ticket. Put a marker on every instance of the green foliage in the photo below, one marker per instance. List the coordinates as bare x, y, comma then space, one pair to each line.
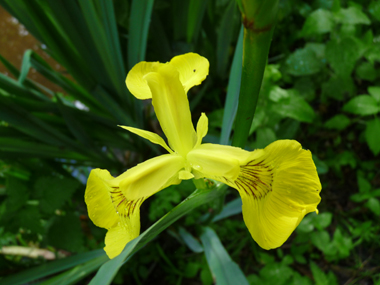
372, 132
304, 62
319, 22
223, 268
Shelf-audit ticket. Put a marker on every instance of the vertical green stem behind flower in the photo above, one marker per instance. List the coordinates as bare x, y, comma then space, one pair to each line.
258, 20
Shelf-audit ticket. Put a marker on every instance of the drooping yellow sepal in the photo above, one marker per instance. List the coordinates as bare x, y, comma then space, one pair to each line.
98, 199
114, 203
118, 237
278, 186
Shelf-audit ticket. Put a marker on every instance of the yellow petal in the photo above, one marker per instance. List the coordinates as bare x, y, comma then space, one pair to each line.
268, 220
149, 177
172, 108
98, 199
117, 237
185, 175
135, 81
192, 68
279, 186
217, 161
152, 137
202, 128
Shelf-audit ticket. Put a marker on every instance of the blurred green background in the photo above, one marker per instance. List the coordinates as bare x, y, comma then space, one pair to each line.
62, 99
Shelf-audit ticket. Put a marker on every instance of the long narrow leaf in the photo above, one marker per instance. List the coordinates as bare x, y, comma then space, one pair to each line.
77, 273
233, 90
52, 267
225, 37
139, 21
197, 10
224, 269
25, 66
14, 147
230, 209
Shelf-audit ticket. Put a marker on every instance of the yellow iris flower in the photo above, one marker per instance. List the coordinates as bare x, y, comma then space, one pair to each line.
278, 185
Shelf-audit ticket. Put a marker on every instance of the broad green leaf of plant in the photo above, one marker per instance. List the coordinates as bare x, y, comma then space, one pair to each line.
374, 91
366, 71
363, 183
322, 241
320, 277
295, 107
275, 273
374, 205
29, 218
303, 62
342, 243
373, 53
322, 220
319, 22
277, 93
223, 268
374, 9
65, 233
338, 122
264, 136
337, 87
362, 105
54, 192
17, 193
353, 16
372, 135
342, 55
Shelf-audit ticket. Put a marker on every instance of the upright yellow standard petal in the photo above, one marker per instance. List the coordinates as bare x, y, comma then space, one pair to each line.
152, 137
279, 186
172, 108
192, 68
135, 81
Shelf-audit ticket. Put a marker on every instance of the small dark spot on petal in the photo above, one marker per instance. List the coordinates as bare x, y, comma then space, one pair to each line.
194, 70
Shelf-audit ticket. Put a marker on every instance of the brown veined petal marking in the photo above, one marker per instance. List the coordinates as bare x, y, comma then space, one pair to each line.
255, 179
124, 208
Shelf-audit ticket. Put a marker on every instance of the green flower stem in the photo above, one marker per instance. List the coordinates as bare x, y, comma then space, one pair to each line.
258, 20
200, 184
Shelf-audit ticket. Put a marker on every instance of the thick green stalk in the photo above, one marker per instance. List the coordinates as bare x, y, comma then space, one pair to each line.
258, 20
